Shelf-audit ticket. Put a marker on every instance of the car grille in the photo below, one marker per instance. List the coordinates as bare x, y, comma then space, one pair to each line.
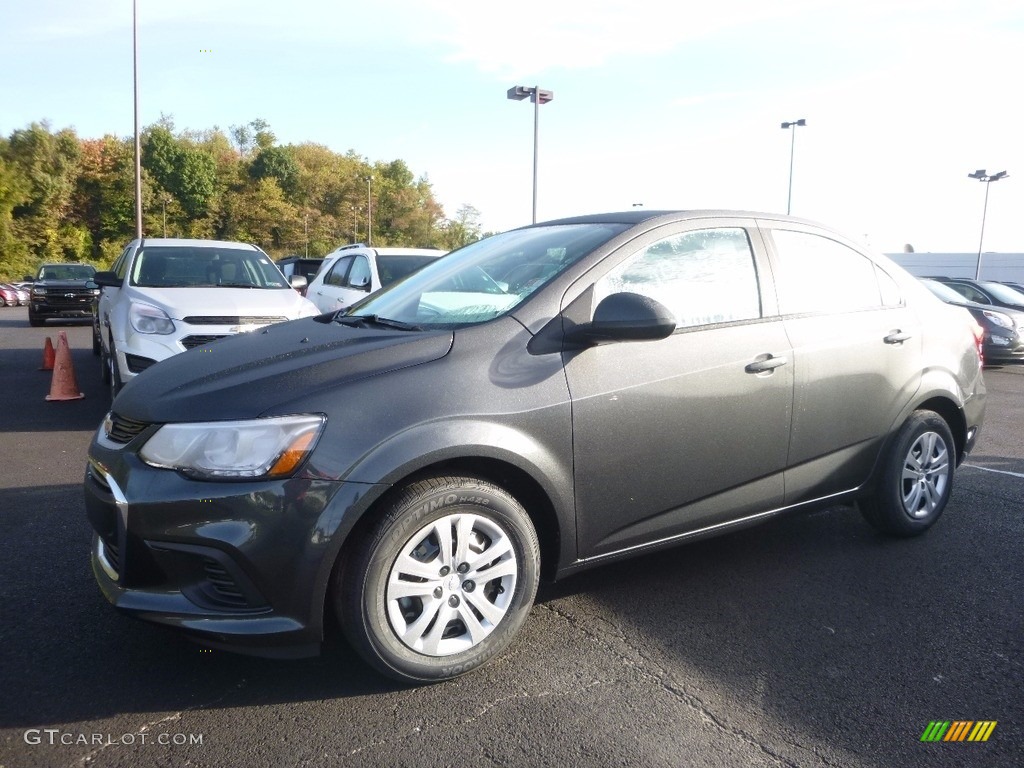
78, 298
223, 585
197, 341
123, 430
231, 320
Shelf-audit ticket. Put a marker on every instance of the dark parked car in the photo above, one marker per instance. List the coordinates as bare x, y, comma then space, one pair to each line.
1004, 328
985, 292
62, 291
539, 402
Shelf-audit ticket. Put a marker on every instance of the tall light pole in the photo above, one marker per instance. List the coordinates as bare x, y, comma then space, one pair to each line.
355, 223
538, 96
369, 212
980, 175
792, 145
138, 143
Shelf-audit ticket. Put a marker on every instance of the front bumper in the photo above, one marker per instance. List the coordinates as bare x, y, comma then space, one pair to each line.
243, 566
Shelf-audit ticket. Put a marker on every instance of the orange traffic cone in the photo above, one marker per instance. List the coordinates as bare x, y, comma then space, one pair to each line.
63, 386
47, 355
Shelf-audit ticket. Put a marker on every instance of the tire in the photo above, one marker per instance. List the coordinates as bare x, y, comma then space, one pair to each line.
36, 322
410, 570
97, 346
916, 479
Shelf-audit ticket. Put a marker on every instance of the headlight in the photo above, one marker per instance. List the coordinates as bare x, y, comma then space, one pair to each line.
213, 450
998, 318
39, 291
148, 319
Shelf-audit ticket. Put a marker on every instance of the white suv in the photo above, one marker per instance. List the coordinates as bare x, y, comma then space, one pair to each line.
352, 272
163, 296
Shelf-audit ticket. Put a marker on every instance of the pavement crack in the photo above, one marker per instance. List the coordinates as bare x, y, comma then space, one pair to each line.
172, 718
655, 672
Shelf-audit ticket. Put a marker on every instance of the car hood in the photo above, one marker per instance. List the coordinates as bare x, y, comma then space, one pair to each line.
180, 303
56, 285
248, 375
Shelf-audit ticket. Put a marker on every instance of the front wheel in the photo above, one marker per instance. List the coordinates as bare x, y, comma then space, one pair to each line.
442, 582
916, 479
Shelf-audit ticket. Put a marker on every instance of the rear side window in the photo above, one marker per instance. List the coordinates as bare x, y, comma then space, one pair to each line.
702, 277
820, 275
336, 275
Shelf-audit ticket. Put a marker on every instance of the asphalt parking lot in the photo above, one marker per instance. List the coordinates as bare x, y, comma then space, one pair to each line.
809, 641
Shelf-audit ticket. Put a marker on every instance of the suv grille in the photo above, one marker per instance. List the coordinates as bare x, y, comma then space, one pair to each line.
123, 430
231, 320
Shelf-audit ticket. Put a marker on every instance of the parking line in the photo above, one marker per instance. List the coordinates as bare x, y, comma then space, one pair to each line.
998, 471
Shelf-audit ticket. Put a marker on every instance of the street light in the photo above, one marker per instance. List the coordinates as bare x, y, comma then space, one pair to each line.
138, 143
792, 144
980, 175
369, 212
163, 202
538, 96
355, 223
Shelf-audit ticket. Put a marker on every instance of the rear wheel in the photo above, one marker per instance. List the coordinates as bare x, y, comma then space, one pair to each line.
916, 479
442, 582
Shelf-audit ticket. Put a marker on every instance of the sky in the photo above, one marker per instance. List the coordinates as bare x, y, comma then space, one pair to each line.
670, 105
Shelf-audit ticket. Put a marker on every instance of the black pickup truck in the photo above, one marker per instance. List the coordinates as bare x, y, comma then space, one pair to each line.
60, 291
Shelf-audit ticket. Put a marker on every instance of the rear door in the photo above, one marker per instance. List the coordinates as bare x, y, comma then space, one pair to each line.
328, 295
856, 354
691, 431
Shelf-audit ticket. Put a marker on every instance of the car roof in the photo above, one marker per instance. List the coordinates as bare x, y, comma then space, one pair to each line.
197, 243
640, 215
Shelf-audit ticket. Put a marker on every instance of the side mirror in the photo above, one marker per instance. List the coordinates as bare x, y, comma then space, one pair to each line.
627, 317
107, 280
362, 283
298, 282
28, 279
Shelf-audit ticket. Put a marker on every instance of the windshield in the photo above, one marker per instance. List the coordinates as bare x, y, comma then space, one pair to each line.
184, 266
944, 292
66, 272
1004, 292
488, 278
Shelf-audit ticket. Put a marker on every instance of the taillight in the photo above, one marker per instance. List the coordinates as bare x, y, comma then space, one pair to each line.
979, 342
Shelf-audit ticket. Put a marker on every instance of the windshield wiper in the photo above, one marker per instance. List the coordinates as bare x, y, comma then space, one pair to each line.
385, 322
235, 285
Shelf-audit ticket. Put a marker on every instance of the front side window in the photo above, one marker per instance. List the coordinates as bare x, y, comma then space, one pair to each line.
486, 279
702, 277
820, 275
359, 275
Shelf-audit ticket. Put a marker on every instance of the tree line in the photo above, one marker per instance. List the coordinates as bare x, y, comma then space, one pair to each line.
66, 198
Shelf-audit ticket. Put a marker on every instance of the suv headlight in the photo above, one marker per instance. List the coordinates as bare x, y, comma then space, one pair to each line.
149, 319
39, 290
235, 450
998, 318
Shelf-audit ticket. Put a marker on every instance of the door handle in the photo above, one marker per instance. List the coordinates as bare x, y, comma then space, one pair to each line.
896, 337
765, 364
